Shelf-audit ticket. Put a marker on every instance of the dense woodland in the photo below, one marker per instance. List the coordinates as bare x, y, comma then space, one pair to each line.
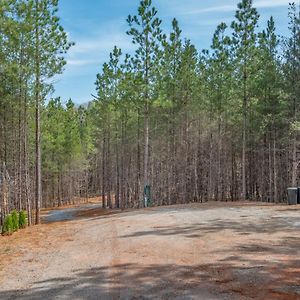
195, 125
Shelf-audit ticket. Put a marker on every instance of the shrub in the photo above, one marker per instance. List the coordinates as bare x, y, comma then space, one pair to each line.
15, 220
7, 228
22, 219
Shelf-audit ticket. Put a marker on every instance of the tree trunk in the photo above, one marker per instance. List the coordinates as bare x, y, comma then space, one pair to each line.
275, 168
244, 192
146, 148
294, 162
38, 173
103, 171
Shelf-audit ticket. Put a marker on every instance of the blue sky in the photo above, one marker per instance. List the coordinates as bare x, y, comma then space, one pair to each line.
97, 25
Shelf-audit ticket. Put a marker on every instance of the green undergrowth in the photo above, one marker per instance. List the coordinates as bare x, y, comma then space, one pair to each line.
13, 222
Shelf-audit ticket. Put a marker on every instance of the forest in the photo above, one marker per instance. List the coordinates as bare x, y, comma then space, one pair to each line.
185, 124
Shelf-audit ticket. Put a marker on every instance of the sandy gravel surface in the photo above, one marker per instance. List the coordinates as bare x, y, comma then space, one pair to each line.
209, 251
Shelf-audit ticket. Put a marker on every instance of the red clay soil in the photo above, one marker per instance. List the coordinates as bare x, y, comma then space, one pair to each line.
96, 212
208, 251
30, 239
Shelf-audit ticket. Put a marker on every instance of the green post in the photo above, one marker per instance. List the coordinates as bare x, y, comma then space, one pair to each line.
147, 195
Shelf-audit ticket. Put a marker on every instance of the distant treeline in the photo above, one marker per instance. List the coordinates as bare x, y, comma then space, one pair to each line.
217, 124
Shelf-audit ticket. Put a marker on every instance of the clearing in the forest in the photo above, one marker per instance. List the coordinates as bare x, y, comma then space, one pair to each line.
195, 251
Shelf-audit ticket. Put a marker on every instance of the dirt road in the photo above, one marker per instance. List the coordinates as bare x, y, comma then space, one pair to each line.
209, 251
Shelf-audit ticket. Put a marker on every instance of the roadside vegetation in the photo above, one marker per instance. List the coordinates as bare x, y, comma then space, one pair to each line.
13, 222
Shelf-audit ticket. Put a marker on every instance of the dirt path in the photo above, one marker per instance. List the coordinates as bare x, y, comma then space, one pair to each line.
210, 251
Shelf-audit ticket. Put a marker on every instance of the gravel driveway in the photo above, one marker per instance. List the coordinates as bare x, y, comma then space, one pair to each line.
208, 251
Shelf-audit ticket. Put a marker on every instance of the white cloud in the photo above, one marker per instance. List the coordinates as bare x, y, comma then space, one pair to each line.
95, 48
270, 3
100, 43
220, 8
80, 62
229, 7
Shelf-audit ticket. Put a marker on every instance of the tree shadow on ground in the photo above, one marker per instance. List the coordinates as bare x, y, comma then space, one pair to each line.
196, 230
222, 280
253, 270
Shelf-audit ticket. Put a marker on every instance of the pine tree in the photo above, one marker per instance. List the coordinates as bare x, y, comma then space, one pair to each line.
171, 64
244, 43
147, 35
292, 84
50, 43
269, 107
219, 86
